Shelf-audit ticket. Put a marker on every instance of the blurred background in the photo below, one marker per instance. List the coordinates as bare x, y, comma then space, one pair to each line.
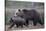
11, 7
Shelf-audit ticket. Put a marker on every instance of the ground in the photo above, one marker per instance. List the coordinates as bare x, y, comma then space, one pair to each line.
30, 26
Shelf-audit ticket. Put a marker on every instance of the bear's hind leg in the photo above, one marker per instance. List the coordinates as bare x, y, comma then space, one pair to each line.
35, 22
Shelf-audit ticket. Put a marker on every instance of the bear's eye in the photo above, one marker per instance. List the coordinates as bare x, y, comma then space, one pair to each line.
16, 13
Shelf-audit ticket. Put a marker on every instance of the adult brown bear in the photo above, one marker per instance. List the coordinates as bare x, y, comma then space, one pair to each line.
30, 15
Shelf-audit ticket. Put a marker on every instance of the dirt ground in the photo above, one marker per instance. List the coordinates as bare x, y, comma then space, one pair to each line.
30, 26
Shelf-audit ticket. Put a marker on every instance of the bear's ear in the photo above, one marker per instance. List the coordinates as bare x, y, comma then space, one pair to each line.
19, 10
